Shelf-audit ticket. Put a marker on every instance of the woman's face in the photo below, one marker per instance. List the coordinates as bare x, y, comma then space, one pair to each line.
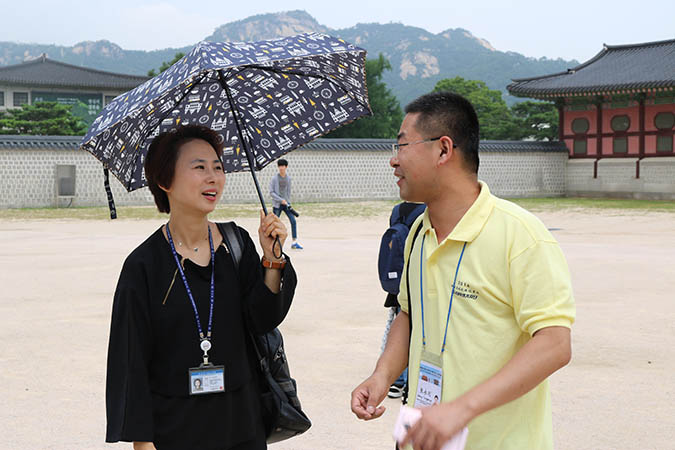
198, 180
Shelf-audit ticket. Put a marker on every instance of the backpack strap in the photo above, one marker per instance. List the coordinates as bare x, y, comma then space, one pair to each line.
407, 286
233, 241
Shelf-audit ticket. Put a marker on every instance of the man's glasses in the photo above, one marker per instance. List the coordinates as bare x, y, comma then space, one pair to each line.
395, 148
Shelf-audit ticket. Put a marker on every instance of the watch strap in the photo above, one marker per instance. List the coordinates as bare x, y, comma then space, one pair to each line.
273, 264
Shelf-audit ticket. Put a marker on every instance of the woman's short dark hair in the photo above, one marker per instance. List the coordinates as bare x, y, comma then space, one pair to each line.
449, 114
160, 162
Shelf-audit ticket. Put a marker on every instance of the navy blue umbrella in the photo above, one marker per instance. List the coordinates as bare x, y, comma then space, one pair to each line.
264, 99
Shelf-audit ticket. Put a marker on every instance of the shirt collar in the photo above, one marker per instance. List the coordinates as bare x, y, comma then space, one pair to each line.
472, 222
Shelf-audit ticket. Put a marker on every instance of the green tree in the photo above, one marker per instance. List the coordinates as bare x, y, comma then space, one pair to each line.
42, 118
387, 114
166, 64
538, 120
496, 120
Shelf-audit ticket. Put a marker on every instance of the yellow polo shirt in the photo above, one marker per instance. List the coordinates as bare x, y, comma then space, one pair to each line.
513, 280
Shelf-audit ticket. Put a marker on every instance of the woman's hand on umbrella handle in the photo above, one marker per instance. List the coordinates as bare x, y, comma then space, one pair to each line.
271, 227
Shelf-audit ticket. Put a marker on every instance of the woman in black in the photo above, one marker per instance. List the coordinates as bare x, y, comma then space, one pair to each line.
168, 319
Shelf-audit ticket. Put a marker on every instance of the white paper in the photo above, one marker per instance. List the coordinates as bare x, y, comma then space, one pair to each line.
407, 417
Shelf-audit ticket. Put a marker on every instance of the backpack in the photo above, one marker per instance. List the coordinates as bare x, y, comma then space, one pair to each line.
390, 259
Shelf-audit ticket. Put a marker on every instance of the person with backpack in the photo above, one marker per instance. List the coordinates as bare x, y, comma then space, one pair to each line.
486, 297
390, 268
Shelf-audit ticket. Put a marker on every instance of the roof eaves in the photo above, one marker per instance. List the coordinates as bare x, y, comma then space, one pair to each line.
17, 82
42, 60
641, 45
524, 91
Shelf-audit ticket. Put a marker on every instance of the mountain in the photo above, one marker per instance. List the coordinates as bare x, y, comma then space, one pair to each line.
268, 26
418, 58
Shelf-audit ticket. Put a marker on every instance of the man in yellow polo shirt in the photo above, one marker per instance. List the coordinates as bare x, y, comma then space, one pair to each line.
486, 293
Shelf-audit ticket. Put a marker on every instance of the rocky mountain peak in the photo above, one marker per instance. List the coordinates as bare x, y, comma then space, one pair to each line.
453, 33
267, 26
102, 47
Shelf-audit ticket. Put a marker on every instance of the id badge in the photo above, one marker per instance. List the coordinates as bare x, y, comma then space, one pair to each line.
207, 379
430, 382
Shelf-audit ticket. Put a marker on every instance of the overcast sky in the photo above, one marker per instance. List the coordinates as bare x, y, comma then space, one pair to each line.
573, 29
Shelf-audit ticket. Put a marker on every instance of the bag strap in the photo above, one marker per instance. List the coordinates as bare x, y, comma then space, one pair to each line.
407, 286
234, 242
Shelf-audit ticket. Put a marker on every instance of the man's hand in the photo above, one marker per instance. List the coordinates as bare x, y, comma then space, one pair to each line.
368, 395
438, 424
284, 202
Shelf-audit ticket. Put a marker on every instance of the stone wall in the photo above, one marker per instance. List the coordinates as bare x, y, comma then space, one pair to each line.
28, 176
616, 177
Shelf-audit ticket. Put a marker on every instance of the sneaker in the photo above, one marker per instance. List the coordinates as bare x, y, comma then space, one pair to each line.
395, 391
296, 246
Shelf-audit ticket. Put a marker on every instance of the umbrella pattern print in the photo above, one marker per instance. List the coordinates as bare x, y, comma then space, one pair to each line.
263, 98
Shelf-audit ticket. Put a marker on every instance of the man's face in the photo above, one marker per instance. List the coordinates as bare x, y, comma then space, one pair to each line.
414, 165
282, 170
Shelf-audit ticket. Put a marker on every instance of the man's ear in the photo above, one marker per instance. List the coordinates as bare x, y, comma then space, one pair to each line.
447, 150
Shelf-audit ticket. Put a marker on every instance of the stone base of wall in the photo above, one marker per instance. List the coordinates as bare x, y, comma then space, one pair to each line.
28, 177
526, 174
616, 178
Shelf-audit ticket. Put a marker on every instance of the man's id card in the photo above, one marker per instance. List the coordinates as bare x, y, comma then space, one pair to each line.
207, 379
430, 382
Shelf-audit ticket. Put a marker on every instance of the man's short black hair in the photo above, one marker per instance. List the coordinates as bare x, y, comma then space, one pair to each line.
282, 162
449, 114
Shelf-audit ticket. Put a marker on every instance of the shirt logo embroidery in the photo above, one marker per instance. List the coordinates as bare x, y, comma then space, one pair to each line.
464, 290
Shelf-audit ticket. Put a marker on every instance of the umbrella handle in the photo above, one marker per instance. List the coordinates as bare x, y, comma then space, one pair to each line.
277, 243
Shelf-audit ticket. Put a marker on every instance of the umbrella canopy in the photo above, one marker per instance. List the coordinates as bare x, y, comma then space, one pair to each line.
264, 99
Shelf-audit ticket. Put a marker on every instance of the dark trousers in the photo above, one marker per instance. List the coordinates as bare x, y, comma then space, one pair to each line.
291, 218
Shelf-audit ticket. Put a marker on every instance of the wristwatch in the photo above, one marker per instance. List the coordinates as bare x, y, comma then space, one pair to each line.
274, 264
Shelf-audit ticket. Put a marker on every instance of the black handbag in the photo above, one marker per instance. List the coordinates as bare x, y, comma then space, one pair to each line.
282, 413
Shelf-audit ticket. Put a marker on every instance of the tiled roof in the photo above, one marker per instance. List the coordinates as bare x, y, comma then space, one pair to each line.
49, 73
615, 68
10, 141
73, 142
349, 144
522, 146
385, 144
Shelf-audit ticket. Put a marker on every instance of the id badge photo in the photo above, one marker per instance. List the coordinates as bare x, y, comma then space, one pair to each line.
206, 379
430, 381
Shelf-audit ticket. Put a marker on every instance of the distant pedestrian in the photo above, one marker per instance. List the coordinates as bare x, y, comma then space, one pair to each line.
280, 190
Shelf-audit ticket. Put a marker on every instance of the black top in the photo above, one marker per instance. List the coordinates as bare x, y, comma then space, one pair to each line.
154, 341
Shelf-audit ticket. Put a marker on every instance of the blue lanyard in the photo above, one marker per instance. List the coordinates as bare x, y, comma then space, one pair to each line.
189, 292
452, 294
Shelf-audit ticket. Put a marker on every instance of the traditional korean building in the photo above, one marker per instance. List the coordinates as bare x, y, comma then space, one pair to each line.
44, 79
619, 104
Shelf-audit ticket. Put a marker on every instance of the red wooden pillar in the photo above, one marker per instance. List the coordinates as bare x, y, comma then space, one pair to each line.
560, 103
641, 139
598, 125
